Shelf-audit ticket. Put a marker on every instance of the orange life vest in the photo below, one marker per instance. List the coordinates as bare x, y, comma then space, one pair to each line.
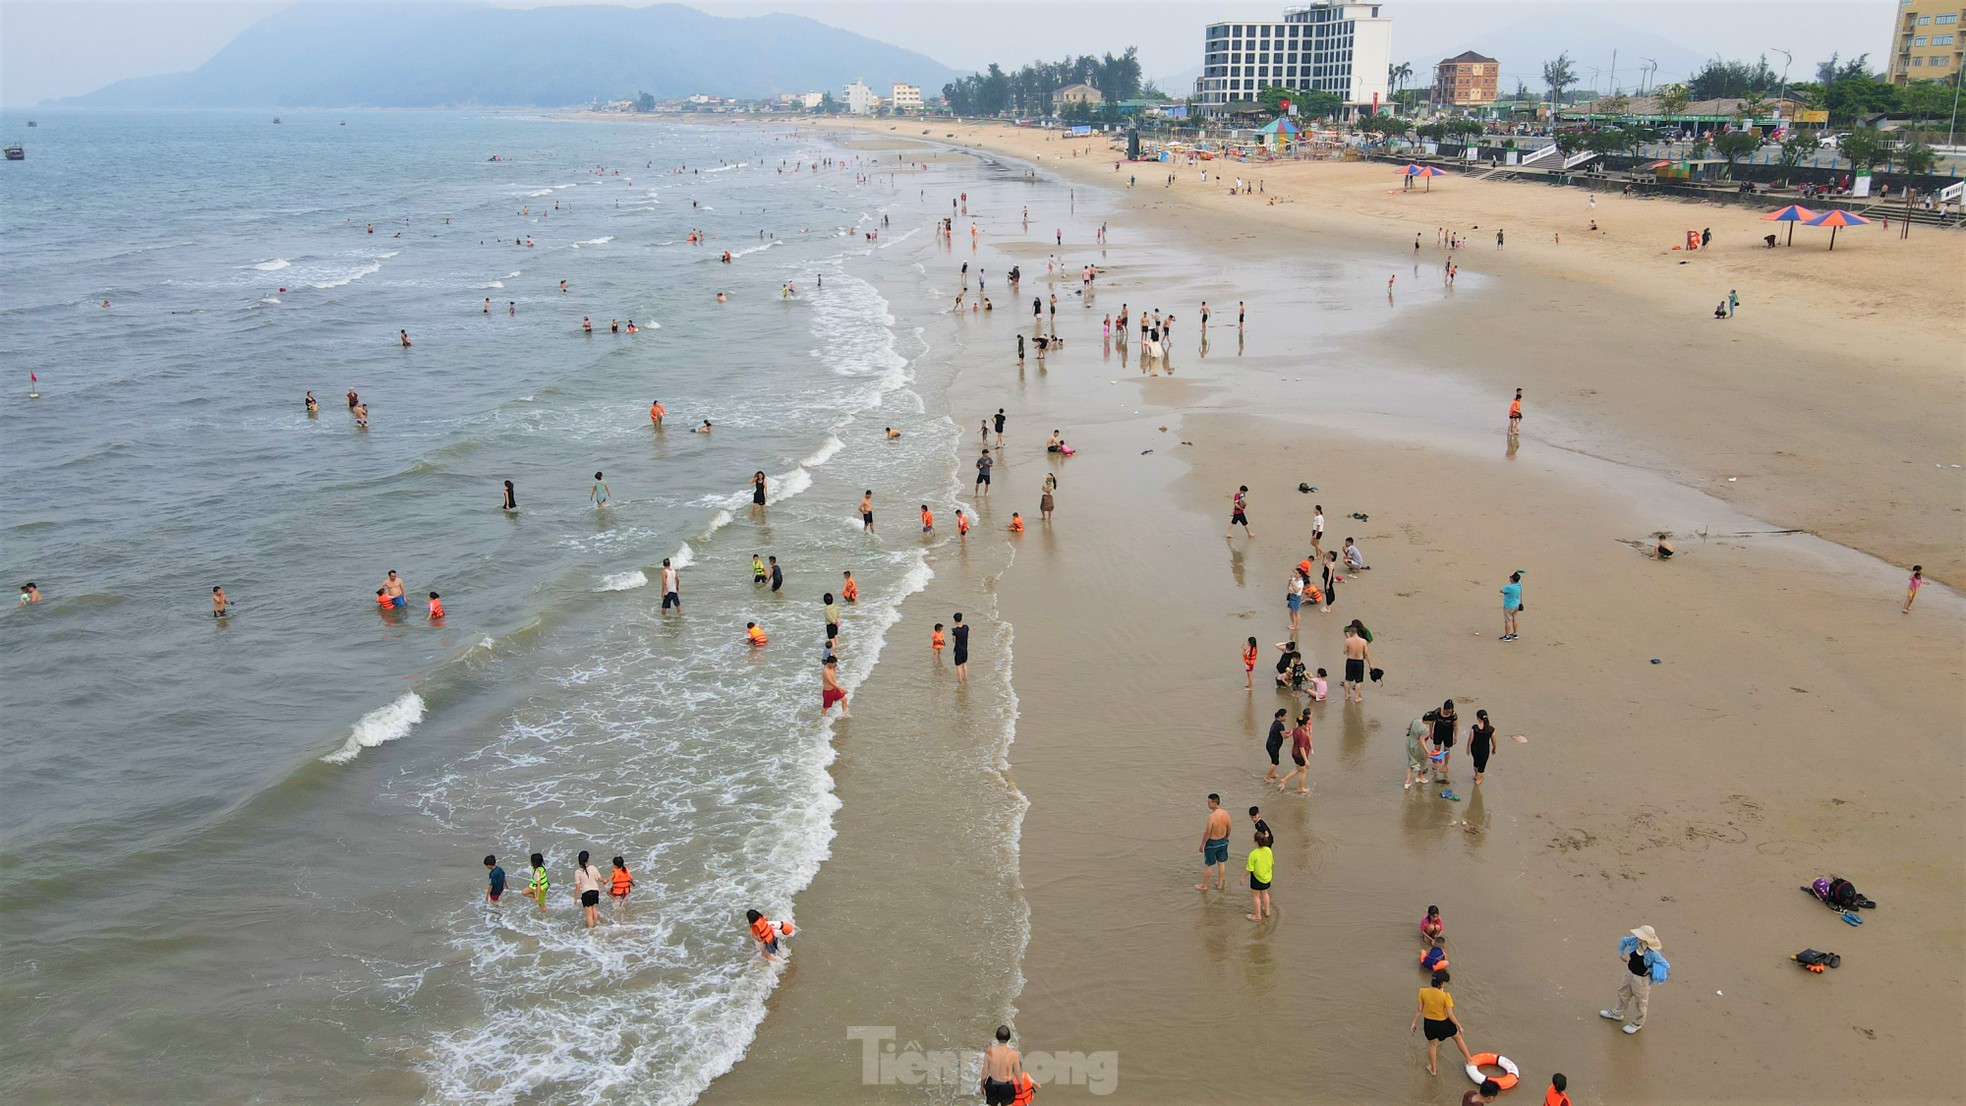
1554, 1097
622, 882
1249, 654
850, 591
764, 931
757, 636
1027, 1089
935, 640
436, 609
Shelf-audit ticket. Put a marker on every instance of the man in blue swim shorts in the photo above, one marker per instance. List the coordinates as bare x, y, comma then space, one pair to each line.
393, 588
1215, 846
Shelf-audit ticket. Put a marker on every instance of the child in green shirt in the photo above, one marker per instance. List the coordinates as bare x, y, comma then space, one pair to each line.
1261, 866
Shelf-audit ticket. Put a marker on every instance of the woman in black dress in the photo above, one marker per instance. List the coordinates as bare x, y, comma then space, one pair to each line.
1330, 579
1481, 743
758, 495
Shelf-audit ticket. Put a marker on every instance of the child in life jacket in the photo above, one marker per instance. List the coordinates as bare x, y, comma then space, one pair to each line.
936, 640
756, 635
622, 883
849, 591
1555, 1096
436, 608
767, 932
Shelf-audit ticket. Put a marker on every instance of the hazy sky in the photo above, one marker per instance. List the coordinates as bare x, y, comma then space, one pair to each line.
65, 47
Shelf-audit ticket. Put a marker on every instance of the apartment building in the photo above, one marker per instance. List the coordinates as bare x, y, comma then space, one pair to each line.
1334, 46
1925, 43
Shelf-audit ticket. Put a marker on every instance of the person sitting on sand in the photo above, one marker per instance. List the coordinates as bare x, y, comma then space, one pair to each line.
1662, 551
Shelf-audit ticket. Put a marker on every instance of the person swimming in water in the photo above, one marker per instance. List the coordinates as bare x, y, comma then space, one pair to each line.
221, 606
313, 408
704, 429
509, 503
599, 494
405, 336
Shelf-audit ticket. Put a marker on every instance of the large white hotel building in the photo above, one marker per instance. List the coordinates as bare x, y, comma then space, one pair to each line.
1324, 45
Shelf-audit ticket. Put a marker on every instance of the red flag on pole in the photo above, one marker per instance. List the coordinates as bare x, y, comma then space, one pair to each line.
32, 379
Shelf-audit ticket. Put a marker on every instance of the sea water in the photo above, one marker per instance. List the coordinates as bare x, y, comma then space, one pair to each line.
243, 854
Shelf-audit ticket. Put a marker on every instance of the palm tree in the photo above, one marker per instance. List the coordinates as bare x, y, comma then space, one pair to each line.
1398, 75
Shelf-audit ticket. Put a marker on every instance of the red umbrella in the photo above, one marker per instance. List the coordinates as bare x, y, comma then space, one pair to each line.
1835, 219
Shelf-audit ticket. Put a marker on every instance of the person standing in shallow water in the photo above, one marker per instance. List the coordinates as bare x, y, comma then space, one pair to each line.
1215, 845
758, 495
600, 494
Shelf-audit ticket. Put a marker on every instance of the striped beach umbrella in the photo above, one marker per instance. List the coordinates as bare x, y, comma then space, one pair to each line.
1792, 214
1426, 171
1835, 219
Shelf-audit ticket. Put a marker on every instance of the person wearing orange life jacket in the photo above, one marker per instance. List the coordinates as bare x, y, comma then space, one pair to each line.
1016, 523
757, 635
849, 591
621, 883
1027, 1089
767, 932
656, 411
1249, 665
436, 608
928, 520
936, 641
1555, 1096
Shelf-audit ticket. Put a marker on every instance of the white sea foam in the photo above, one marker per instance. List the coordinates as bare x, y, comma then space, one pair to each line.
387, 256
683, 557
513, 273
541, 192
717, 522
271, 299
493, 284
601, 241
366, 270
759, 248
381, 725
824, 453
274, 265
624, 581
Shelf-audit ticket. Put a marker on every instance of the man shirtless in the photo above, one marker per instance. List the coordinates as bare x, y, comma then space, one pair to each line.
830, 691
393, 589
1003, 1068
1358, 658
1215, 846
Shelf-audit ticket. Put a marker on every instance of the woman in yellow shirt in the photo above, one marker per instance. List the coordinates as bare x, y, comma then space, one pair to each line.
1437, 1010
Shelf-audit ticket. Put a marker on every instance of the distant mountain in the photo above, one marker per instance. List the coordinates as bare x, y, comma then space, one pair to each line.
334, 55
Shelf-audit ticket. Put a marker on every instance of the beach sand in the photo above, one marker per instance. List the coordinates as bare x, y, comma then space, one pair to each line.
1796, 723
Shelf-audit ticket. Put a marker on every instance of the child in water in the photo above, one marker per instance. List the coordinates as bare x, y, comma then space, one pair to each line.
436, 608
622, 882
1432, 927
767, 932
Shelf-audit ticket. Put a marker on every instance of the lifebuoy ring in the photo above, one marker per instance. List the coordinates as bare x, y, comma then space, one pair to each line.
1510, 1073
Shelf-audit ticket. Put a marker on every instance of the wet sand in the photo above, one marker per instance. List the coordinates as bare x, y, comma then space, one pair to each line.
1797, 724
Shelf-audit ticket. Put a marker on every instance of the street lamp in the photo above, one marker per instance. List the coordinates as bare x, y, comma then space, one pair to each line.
1788, 59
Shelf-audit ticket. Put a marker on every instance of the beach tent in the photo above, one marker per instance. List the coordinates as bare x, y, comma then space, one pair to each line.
1278, 133
1835, 219
1792, 214
1426, 171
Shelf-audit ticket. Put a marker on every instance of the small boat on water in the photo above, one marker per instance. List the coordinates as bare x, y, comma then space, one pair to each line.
276, 120
15, 153
32, 123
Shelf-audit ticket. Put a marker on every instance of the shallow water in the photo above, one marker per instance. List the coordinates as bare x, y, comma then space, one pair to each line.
244, 854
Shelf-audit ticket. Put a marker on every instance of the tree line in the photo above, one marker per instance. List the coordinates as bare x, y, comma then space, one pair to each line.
1028, 90
1847, 90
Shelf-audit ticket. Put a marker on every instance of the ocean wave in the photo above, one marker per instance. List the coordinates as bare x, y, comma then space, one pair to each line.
824, 453
601, 241
366, 270
683, 557
387, 256
379, 726
625, 581
492, 285
541, 192
274, 265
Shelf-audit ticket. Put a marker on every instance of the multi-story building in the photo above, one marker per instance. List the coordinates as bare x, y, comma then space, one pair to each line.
1335, 46
906, 97
1466, 80
860, 99
1926, 43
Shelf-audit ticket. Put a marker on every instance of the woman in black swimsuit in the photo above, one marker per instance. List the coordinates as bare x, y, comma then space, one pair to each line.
758, 495
1481, 743
1330, 579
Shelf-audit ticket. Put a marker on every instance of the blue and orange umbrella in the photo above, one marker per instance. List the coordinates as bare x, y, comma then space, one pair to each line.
1835, 219
1427, 171
1792, 214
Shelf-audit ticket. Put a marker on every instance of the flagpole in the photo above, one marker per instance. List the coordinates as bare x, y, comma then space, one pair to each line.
32, 391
